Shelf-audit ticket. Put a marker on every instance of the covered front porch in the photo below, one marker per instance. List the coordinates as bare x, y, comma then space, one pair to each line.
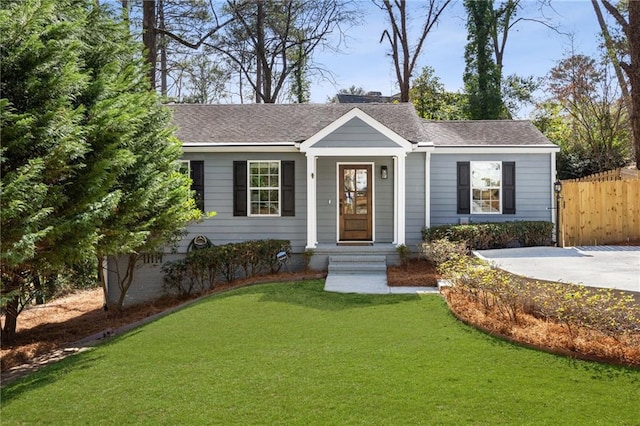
356, 187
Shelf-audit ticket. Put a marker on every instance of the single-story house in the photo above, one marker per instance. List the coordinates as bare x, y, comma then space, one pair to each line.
351, 177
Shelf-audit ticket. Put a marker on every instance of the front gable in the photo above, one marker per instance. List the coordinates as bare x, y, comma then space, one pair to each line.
356, 133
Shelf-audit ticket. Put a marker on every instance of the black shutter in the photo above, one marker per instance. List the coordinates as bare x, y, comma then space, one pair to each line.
197, 182
464, 187
239, 188
288, 188
508, 187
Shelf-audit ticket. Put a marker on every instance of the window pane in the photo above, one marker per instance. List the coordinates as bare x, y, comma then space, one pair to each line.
486, 177
349, 180
361, 202
264, 182
361, 180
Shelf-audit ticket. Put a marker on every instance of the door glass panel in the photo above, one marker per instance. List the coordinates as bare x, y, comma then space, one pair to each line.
361, 180
349, 180
348, 207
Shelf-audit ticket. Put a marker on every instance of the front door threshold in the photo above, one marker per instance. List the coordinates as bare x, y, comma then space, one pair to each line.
354, 243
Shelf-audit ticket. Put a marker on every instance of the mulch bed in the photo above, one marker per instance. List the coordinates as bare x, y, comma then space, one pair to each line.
416, 273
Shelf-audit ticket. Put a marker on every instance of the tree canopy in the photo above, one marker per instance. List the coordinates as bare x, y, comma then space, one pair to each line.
81, 135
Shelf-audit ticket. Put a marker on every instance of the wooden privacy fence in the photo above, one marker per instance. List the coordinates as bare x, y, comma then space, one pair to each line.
601, 212
617, 174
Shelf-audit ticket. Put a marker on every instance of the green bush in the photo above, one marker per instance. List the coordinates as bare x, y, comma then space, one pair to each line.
201, 269
481, 236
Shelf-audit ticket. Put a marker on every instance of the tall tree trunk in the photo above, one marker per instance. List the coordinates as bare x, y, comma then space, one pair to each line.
149, 38
632, 30
633, 36
163, 49
10, 321
611, 54
260, 53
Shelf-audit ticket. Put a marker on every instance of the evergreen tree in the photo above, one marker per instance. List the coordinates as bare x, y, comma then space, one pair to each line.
482, 75
80, 129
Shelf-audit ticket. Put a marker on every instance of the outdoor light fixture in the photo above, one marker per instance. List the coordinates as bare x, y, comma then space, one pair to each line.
557, 188
384, 173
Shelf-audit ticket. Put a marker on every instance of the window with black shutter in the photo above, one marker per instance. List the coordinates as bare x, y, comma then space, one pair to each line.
264, 188
508, 187
486, 187
239, 188
464, 187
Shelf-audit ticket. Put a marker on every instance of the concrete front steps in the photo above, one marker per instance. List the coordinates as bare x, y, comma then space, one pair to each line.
365, 274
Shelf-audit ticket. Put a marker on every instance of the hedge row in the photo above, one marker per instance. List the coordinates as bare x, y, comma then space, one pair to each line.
482, 236
201, 269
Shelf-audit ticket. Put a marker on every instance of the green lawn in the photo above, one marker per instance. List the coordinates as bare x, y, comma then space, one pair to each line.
293, 354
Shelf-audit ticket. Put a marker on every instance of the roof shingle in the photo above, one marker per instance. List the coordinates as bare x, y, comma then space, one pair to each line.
484, 133
263, 123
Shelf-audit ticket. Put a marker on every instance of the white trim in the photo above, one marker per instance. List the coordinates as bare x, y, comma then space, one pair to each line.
249, 188
312, 221
400, 185
355, 152
252, 144
510, 149
553, 180
427, 184
395, 201
188, 166
373, 198
233, 148
351, 114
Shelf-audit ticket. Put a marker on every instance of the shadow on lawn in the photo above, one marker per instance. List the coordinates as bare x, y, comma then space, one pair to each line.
48, 375
311, 294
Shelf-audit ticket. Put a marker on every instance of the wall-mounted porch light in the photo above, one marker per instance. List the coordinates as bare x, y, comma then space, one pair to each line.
384, 172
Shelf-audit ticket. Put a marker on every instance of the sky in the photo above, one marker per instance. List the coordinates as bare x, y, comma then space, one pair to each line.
532, 48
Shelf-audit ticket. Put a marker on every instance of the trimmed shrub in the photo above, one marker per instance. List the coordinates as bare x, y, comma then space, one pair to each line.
201, 269
482, 236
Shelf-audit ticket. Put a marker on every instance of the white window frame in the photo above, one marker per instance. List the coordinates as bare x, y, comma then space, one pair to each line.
251, 188
471, 187
188, 163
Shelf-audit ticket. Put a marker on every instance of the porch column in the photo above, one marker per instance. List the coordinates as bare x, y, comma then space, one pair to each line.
427, 189
400, 198
312, 231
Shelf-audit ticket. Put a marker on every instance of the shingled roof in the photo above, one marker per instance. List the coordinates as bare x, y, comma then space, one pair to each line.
282, 123
484, 133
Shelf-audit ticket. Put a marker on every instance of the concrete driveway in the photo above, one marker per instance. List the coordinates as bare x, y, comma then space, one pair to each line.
597, 266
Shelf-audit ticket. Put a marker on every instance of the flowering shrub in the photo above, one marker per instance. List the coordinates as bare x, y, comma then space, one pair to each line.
607, 311
442, 250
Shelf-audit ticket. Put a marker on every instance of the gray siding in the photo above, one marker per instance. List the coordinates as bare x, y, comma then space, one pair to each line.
415, 199
147, 280
355, 134
218, 194
327, 198
533, 188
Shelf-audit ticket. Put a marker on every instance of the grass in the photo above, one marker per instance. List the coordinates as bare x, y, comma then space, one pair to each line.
293, 354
